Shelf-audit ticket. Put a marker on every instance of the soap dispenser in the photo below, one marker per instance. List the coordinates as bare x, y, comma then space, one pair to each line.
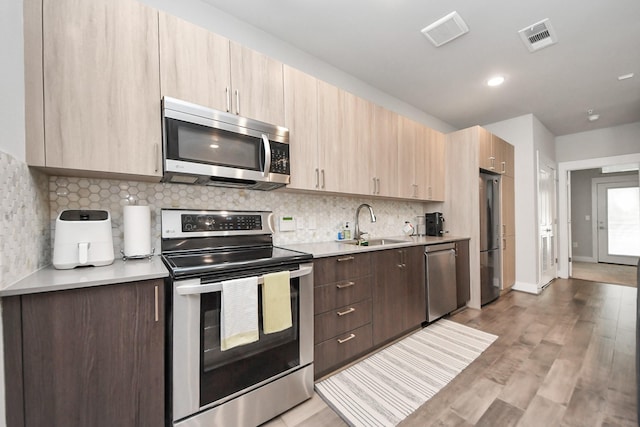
347, 232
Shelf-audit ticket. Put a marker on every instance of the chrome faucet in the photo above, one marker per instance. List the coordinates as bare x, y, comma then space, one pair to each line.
357, 234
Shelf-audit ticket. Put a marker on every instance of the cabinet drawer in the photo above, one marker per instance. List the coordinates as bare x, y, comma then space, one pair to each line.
334, 269
332, 353
339, 294
341, 320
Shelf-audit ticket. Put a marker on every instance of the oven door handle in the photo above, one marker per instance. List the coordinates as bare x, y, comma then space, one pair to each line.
195, 287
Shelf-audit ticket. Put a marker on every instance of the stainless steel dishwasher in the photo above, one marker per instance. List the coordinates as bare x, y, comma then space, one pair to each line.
440, 279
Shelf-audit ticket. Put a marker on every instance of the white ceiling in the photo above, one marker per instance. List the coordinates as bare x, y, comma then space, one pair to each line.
379, 42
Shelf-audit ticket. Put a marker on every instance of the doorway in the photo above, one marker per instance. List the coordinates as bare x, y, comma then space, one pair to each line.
617, 222
547, 222
566, 249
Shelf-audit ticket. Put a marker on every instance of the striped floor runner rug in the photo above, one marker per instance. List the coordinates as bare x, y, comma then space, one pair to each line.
387, 386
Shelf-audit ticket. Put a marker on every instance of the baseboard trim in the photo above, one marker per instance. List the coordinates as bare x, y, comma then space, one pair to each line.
530, 288
584, 259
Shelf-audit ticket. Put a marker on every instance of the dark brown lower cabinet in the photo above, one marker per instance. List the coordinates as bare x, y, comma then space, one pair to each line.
463, 275
399, 303
92, 356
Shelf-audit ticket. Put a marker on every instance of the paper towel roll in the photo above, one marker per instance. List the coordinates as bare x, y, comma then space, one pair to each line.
137, 231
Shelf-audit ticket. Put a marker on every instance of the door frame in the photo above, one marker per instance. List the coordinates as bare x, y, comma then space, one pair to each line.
564, 197
553, 271
595, 182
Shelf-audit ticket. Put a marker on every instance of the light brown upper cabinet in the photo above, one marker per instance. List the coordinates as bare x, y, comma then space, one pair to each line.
207, 69
356, 147
99, 106
496, 154
435, 165
407, 141
301, 118
383, 153
420, 161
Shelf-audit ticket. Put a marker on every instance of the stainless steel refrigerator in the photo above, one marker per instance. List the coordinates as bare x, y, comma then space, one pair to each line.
490, 280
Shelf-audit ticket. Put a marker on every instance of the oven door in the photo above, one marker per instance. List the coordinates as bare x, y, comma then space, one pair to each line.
203, 375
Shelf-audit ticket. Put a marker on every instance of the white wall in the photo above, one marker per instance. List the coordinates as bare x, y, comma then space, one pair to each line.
220, 22
607, 142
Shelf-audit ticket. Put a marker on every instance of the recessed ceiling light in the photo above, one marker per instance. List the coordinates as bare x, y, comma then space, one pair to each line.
495, 81
625, 76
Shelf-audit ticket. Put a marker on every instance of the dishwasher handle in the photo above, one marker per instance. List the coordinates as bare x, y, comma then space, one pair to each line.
440, 247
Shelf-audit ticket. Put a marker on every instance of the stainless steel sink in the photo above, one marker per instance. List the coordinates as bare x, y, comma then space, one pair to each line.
375, 242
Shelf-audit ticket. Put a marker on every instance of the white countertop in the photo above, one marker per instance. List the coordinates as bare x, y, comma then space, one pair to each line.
326, 249
51, 279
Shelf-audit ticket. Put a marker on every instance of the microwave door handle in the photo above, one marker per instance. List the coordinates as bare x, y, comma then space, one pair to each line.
194, 286
267, 155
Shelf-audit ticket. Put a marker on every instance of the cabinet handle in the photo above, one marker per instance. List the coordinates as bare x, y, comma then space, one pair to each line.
374, 185
504, 244
342, 313
430, 192
317, 178
157, 317
345, 285
347, 258
378, 179
493, 162
237, 102
504, 229
504, 167
228, 96
350, 337
323, 182
156, 156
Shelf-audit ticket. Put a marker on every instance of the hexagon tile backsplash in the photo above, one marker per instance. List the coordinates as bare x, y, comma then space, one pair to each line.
318, 217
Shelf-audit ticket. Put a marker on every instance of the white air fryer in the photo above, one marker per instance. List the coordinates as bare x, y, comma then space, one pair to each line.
83, 238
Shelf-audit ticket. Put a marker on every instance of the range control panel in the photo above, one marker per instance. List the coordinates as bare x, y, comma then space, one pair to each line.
220, 222
181, 223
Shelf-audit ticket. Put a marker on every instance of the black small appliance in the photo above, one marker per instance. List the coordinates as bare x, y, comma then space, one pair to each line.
435, 224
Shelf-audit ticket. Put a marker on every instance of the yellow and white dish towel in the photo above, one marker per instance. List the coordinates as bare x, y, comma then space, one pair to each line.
239, 312
276, 302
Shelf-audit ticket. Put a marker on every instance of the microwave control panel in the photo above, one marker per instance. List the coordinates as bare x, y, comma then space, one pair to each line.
280, 158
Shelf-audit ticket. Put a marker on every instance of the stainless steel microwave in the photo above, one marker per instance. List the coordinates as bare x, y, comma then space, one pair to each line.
211, 147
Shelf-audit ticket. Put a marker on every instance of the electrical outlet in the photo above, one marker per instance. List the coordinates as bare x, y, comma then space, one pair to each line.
575, 244
311, 223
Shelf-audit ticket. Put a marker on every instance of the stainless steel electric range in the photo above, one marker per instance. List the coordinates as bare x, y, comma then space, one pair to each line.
248, 384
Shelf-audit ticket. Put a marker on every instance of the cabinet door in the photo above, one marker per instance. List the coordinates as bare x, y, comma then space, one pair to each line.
486, 158
102, 86
384, 153
194, 64
389, 294
508, 262
415, 310
508, 206
257, 83
357, 145
95, 356
508, 157
422, 162
332, 133
435, 165
407, 136
463, 276
301, 118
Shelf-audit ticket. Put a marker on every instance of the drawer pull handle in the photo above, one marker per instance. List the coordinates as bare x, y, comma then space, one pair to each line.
345, 285
347, 258
350, 337
342, 313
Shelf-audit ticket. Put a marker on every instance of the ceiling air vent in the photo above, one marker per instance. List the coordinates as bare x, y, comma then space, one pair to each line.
445, 29
538, 35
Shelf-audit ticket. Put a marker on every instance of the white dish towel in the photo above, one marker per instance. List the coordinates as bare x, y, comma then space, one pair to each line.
239, 312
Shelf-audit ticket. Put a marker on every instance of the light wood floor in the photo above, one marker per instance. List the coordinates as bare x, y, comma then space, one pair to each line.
563, 358
605, 273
